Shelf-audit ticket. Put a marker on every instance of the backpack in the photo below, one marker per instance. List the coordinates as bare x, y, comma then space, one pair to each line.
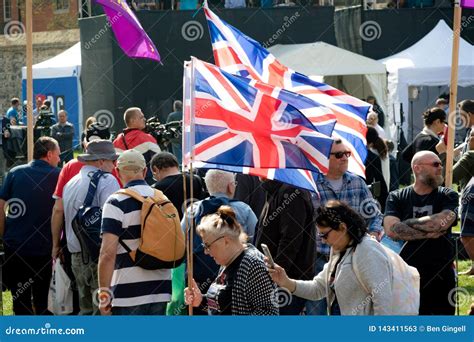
405, 284
87, 222
162, 244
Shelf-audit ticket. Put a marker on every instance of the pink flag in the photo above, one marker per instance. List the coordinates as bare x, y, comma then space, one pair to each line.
129, 32
467, 3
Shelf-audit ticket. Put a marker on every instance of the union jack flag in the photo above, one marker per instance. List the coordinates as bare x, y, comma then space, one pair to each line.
234, 123
239, 54
297, 177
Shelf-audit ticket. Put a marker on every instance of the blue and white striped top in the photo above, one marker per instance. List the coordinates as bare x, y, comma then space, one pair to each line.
132, 285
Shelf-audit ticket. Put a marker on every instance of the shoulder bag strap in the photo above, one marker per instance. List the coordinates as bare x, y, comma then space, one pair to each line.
124, 141
93, 187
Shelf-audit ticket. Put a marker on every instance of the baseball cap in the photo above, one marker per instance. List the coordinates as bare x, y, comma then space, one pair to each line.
131, 159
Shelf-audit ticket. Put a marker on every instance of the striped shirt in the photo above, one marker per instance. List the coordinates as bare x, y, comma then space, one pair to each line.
132, 285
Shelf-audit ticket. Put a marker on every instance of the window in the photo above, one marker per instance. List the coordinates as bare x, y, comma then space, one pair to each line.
61, 5
7, 9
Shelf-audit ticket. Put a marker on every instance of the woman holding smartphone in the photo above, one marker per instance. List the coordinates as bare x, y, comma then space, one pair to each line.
345, 279
243, 285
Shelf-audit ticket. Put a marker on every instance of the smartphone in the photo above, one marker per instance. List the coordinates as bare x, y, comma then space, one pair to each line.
267, 253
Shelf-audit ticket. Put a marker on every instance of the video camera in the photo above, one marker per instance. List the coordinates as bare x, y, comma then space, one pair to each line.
164, 134
44, 122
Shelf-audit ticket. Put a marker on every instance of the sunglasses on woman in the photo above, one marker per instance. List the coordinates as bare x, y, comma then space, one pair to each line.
339, 155
324, 235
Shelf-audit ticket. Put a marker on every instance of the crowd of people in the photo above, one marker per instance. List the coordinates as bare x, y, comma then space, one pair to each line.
324, 248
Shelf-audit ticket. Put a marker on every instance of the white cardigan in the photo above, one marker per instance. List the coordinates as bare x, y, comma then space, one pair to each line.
375, 271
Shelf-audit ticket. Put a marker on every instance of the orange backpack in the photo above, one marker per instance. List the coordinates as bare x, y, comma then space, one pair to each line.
162, 244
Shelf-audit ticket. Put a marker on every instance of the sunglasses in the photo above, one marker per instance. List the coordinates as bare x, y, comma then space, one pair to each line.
208, 246
339, 155
324, 235
434, 164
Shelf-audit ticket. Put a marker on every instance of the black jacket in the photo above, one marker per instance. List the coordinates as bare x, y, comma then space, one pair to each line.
287, 227
373, 173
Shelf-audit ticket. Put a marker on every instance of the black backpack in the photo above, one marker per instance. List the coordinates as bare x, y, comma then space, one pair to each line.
86, 224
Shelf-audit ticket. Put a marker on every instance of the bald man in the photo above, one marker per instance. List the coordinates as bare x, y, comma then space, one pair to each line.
134, 137
422, 215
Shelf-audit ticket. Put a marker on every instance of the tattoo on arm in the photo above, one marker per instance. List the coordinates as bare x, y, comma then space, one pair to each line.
406, 232
424, 227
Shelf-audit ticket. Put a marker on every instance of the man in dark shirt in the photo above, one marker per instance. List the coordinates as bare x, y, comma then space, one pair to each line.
434, 122
422, 215
27, 194
63, 132
287, 227
176, 115
165, 170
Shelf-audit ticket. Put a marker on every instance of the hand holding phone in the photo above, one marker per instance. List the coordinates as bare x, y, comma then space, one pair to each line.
267, 253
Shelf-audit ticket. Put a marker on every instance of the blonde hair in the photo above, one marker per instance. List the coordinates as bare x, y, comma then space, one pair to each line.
222, 223
90, 120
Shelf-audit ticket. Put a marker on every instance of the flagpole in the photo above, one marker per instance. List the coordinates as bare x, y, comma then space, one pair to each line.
29, 78
190, 222
453, 93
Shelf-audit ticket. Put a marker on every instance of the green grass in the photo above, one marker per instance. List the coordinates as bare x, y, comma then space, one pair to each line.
466, 285
466, 293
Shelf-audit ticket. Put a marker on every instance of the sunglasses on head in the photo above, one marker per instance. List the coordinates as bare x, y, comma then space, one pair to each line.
339, 155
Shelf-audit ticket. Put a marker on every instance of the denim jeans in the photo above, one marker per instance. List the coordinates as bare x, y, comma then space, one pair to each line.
317, 307
156, 309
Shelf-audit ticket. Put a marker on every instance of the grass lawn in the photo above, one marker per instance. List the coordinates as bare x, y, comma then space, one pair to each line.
466, 293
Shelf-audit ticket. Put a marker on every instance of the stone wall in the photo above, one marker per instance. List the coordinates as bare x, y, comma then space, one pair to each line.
13, 58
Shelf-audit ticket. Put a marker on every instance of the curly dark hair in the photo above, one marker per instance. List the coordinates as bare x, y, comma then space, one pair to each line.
336, 212
430, 115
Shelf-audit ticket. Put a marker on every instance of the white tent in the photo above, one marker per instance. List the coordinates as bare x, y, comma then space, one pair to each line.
354, 74
427, 63
58, 79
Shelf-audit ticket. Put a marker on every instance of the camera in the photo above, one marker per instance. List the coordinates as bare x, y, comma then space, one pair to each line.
164, 134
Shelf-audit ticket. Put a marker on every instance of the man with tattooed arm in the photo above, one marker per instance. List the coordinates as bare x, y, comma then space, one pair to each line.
422, 215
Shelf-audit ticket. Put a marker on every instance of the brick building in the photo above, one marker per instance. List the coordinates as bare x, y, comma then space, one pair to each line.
48, 15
